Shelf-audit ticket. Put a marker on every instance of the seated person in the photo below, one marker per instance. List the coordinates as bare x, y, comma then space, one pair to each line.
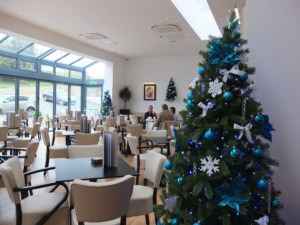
173, 110
150, 113
163, 116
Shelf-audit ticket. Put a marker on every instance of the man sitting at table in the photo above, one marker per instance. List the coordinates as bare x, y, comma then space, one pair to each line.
162, 117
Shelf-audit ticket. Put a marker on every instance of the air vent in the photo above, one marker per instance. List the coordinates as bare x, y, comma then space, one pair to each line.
166, 28
94, 36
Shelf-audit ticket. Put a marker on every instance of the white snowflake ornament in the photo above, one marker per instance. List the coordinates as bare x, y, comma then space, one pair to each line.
263, 220
215, 88
210, 165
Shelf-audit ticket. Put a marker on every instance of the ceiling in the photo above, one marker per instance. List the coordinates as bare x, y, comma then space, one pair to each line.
126, 23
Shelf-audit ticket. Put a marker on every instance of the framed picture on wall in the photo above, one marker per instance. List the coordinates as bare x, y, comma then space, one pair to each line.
150, 92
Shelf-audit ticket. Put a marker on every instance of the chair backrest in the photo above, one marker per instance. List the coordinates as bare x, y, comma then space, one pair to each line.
32, 148
102, 201
133, 119
35, 129
96, 124
3, 133
134, 129
72, 125
25, 115
53, 124
157, 133
45, 136
154, 167
40, 119
13, 177
85, 151
133, 144
18, 121
111, 122
92, 120
121, 120
21, 113
88, 138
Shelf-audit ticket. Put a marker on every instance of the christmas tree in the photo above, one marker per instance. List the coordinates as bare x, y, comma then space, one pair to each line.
171, 91
106, 105
221, 172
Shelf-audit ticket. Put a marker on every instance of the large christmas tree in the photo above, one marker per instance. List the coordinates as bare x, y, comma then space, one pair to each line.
221, 172
107, 104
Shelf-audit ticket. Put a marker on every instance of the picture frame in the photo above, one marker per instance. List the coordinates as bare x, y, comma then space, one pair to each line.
150, 92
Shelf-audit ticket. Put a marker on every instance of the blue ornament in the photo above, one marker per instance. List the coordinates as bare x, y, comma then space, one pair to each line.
179, 180
276, 203
243, 77
168, 165
228, 96
258, 153
201, 70
259, 119
189, 104
196, 223
190, 96
174, 221
262, 184
209, 135
267, 128
235, 153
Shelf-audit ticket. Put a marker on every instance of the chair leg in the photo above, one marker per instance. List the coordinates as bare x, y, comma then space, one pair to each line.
147, 219
47, 160
30, 191
18, 214
138, 169
123, 220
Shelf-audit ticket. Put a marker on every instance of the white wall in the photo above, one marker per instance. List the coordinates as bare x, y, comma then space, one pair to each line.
159, 70
272, 30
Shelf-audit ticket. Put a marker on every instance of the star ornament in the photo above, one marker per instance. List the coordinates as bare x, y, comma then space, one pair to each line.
231, 194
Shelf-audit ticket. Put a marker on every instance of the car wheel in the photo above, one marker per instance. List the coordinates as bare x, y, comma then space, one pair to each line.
30, 111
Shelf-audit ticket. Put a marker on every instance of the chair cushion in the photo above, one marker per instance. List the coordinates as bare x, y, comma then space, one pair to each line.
36, 206
141, 201
21, 142
142, 161
59, 151
75, 222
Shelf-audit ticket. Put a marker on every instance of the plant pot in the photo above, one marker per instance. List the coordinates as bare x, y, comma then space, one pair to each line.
125, 111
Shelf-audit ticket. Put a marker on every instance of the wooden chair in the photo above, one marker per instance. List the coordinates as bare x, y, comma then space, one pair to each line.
49, 208
101, 202
87, 138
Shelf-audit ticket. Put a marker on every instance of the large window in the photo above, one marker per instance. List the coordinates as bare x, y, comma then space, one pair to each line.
61, 98
7, 97
27, 97
96, 71
46, 98
93, 101
75, 98
8, 62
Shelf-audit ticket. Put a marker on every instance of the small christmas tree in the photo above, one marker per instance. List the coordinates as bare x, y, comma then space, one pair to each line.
171, 91
221, 170
106, 105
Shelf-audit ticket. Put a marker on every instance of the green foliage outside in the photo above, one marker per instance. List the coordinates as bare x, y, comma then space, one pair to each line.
221, 171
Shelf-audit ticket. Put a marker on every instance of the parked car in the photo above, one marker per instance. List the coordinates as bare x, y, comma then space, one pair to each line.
25, 102
61, 97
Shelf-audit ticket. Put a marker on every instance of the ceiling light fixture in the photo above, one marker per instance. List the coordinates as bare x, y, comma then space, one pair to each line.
199, 16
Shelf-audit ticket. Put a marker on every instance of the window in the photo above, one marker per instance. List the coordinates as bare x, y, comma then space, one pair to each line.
26, 65
47, 69
35, 50
13, 44
76, 74
96, 71
55, 55
69, 59
8, 62
62, 72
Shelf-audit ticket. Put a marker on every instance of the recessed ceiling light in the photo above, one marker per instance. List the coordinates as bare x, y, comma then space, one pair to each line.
199, 16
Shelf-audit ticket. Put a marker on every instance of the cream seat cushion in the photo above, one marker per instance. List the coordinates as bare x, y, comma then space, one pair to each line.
141, 201
36, 206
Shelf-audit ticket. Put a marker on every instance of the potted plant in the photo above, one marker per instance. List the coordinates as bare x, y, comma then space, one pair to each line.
125, 95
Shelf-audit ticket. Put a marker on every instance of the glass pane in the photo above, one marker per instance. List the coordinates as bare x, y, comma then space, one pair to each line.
55, 55
62, 72
93, 101
46, 99
61, 99
69, 59
13, 44
26, 65
47, 69
35, 50
27, 98
76, 74
83, 62
75, 98
96, 71
7, 97
2, 36
8, 62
